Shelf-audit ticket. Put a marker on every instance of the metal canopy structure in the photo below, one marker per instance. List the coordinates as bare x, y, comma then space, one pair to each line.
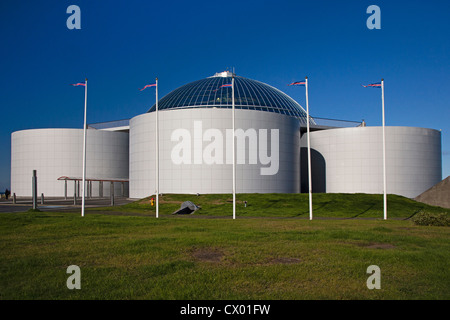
89, 181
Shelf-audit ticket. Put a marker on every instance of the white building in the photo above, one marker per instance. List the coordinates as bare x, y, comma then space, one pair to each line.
195, 137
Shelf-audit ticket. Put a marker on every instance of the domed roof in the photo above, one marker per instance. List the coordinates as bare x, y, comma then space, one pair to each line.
249, 94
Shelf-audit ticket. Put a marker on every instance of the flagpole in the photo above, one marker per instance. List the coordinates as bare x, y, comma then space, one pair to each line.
234, 158
384, 153
157, 153
84, 150
309, 152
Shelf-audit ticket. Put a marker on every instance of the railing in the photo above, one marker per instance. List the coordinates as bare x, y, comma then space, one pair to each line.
110, 124
334, 123
316, 122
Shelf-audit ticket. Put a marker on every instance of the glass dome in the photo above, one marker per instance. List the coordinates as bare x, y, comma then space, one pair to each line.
249, 94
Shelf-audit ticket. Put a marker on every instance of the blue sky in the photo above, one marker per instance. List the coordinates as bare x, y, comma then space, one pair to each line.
123, 45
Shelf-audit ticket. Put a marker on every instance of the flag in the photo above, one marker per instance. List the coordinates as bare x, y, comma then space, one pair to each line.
298, 83
373, 85
228, 85
78, 84
148, 86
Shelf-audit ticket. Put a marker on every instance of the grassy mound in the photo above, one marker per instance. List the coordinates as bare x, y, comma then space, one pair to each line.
287, 205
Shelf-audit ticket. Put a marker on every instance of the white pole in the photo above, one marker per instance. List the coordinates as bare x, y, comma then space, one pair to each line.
157, 153
309, 152
234, 158
84, 149
384, 153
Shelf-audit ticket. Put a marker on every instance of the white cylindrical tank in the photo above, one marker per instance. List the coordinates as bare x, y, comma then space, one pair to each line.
350, 160
58, 152
195, 152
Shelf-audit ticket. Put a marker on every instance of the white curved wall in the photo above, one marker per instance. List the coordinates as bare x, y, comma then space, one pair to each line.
58, 152
203, 177
353, 159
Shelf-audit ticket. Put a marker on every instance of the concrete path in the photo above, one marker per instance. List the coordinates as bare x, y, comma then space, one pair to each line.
58, 204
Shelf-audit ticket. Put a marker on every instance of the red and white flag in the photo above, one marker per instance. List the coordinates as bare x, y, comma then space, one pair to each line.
148, 86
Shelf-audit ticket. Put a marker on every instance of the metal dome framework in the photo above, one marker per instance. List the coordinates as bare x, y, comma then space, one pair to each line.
249, 94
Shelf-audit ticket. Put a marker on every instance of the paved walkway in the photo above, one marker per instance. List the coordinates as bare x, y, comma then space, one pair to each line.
52, 204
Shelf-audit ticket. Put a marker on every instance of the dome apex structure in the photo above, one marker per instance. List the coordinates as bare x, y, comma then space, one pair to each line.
249, 95
223, 74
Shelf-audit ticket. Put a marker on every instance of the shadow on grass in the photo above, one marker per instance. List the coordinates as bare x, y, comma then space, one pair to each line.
417, 211
324, 204
361, 213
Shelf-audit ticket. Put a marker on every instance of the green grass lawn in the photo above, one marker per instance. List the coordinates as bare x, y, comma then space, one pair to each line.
126, 253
